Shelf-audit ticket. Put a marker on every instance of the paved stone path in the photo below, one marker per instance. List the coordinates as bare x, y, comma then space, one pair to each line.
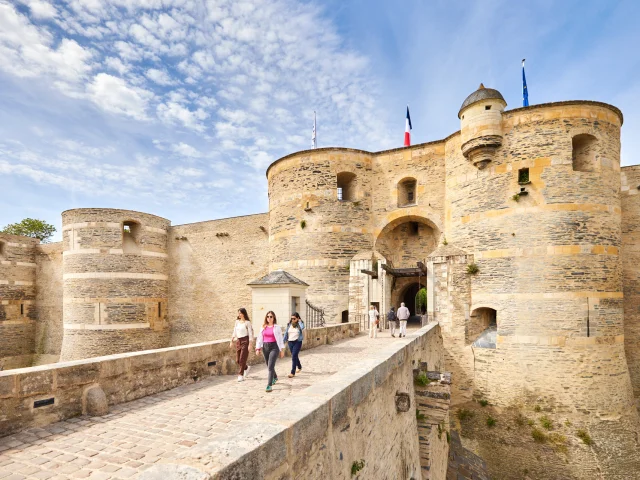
135, 435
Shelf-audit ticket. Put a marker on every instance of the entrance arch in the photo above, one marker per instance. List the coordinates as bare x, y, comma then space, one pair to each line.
407, 240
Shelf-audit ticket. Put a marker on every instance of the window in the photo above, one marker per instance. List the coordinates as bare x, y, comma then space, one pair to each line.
523, 175
295, 305
407, 192
487, 107
3, 250
584, 153
22, 309
131, 237
159, 309
346, 186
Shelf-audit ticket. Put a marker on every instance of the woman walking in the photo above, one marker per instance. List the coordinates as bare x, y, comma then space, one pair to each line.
243, 336
293, 336
271, 343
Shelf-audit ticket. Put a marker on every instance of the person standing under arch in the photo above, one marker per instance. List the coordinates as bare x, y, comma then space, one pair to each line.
271, 343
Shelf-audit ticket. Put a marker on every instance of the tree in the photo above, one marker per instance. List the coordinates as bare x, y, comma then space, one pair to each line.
31, 227
421, 300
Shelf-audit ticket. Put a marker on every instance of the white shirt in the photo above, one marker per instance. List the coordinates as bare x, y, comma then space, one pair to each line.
242, 329
373, 314
293, 334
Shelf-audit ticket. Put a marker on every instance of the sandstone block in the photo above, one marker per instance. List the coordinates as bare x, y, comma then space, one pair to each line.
96, 401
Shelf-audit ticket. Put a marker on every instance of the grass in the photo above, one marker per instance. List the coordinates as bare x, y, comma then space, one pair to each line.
538, 436
546, 423
483, 402
521, 420
559, 442
356, 467
422, 380
472, 269
530, 422
464, 414
567, 423
491, 422
585, 437
537, 408
516, 197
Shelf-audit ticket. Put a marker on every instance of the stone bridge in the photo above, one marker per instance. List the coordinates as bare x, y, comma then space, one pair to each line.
340, 410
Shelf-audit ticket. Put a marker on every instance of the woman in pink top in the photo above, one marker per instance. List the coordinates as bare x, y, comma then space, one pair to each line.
271, 343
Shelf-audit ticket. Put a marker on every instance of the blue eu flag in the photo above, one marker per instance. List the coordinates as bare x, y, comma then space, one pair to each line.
525, 92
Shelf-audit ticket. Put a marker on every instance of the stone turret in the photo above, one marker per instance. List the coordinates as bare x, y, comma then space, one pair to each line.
481, 125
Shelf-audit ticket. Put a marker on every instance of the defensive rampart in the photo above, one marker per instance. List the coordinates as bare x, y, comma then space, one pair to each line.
359, 421
42, 395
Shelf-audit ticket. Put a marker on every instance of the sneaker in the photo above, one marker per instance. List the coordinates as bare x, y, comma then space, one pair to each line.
291, 375
393, 335
299, 370
274, 381
246, 372
269, 388
240, 378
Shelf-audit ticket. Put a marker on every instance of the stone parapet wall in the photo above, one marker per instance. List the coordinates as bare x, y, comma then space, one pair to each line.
353, 423
122, 377
49, 296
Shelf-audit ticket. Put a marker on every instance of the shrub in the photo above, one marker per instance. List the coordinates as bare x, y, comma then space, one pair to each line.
357, 466
546, 423
483, 402
491, 422
444, 242
585, 437
303, 224
464, 414
516, 197
422, 380
538, 435
472, 269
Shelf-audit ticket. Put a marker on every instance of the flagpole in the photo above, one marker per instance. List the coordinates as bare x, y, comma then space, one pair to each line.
314, 141
525, 92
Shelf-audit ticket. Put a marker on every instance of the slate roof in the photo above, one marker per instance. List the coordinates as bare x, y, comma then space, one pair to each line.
481, 94
278, 277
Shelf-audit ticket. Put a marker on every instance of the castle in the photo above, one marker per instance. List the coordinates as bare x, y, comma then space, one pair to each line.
522, 226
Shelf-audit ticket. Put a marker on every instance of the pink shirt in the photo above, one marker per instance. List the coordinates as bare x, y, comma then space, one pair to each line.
268, 335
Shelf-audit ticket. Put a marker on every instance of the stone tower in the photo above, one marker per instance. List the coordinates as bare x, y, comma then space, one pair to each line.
115, 278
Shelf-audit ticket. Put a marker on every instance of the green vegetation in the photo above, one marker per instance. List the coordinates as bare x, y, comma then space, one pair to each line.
31, 227
483, 402
546, 423
444, 242
422, 380
421, 300
516, 197
472, 269
521, 420
537, 408
491, 422
585, 437
538, 435
356, 467
530, 422
303, 224
567, 423
419, 416
464, 414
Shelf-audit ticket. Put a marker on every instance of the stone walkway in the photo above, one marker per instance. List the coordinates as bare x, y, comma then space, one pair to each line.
135, 435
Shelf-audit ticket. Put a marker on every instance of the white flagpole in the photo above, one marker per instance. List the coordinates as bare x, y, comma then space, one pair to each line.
314, 142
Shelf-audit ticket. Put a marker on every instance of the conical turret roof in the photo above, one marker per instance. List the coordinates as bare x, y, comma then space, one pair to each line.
482, 93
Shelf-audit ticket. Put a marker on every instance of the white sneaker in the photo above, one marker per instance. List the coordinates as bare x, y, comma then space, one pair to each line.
240, 378
246, 372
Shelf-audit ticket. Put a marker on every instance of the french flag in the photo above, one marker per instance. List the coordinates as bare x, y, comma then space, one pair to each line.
407, 130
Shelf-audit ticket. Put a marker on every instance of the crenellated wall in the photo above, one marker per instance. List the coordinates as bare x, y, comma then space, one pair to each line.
115, 282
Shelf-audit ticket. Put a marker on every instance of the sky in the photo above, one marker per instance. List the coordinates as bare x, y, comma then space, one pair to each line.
177, 107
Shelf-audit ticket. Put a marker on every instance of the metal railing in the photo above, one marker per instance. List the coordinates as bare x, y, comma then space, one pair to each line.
315, 316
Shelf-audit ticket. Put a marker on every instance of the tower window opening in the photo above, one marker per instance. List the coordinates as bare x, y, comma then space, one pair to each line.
407, 192
3, 250
523, 175
583, 156
159, 309
346, 182
131, 237
487, 107
22, 309
414, 228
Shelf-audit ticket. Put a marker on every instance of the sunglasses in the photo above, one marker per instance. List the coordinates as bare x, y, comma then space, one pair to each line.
269, 316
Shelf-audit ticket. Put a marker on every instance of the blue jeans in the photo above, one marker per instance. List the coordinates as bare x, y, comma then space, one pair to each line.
295, 347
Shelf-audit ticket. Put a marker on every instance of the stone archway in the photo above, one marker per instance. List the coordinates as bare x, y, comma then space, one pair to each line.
407, 240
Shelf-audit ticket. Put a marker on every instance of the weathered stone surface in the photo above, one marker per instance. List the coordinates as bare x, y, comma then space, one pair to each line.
403, 402
165, 471
96, 401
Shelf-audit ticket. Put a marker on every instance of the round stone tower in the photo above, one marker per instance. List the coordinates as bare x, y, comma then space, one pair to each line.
319, 218
543, 223
115, 276
481, 125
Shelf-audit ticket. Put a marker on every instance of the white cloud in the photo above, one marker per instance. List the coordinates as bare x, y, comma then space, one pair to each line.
172, 113
41, 9
114, 95
159, 76
185, 150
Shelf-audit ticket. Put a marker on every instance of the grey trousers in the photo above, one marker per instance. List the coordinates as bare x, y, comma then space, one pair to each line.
271, 351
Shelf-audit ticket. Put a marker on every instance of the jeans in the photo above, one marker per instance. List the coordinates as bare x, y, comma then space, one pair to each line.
242, 354
271, 351
295, 347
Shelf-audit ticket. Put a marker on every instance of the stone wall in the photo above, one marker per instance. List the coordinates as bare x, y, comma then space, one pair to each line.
115, 282
210, 265
123, 377
17, 300
630, 254
49, 300
351, 425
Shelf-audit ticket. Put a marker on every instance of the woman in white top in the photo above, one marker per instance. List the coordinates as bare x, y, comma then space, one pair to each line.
293, 336
243, 336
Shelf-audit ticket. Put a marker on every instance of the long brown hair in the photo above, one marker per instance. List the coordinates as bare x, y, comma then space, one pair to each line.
244, 313
265, 318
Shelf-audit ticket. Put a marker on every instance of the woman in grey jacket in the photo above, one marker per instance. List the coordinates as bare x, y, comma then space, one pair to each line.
271, 343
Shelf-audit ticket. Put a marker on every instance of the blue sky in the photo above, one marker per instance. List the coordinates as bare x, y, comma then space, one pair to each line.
176, 107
